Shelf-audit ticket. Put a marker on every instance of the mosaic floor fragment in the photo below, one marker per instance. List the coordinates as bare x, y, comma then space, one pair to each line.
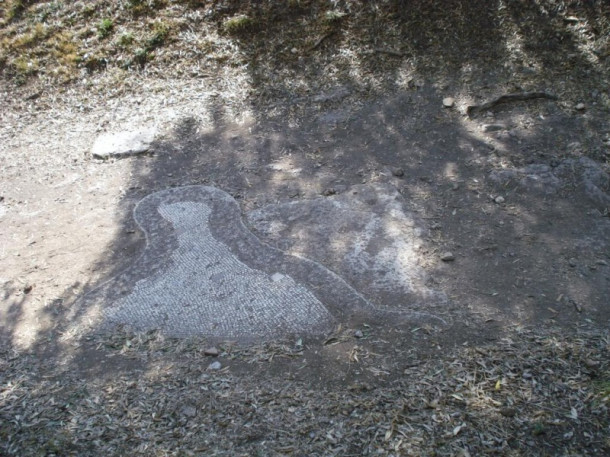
204, 273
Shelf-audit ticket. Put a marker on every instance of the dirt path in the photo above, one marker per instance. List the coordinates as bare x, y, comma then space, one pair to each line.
520, 206
535, 258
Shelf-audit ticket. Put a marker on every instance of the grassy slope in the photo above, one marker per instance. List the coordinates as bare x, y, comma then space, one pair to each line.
297, 45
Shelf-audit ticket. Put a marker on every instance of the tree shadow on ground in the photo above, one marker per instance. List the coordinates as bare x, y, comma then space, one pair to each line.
304, 118
533, 259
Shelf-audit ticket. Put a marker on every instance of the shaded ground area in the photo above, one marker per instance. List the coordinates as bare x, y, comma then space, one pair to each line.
302, 112
522, 395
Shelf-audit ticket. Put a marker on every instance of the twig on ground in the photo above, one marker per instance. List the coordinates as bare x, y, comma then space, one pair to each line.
389, 52
519, 96
321, 40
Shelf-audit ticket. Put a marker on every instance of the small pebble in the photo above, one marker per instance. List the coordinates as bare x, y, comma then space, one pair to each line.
508, 412
580, 107
493, 127
499, 200
448, 102
447, 257
538, 429
398, 172
214, 366
591, 363
189, 411
212, 352
572, 262
358, 334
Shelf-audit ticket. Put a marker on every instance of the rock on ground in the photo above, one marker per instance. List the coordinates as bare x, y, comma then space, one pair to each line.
123, 144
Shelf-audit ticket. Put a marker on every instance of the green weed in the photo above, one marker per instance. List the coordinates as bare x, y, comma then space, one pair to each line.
143, 7
160, 33
88, 11
25, 65
238, 24
140, 57
14, 9
331, 17
104, 28
125, 39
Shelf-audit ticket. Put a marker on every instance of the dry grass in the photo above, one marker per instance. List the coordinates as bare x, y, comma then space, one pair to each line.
300, 46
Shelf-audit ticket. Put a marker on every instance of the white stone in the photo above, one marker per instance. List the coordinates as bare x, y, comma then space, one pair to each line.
448, 102
447, 257
275, 277
123, 144
215, 366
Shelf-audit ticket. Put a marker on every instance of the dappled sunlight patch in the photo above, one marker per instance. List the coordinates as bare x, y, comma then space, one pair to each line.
451, 171
365, 235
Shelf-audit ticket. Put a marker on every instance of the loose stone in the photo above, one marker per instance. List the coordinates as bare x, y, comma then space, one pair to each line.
493, 127
508, 412
215, 366
447, 257
211, 352
572, 262
189, 411
124, 144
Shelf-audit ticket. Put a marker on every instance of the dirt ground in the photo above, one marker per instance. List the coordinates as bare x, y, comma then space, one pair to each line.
305, 105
